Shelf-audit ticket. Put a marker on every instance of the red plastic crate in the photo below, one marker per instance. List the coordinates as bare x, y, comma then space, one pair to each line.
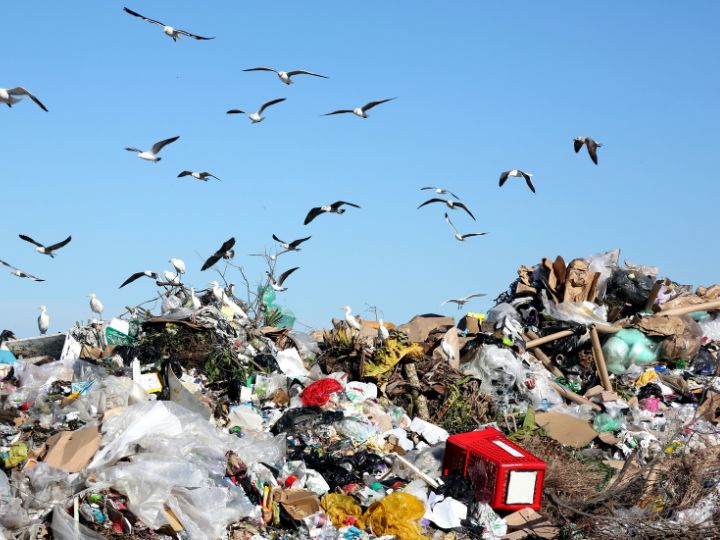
504, 475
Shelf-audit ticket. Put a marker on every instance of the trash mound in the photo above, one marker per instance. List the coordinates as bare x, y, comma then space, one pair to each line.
583, 405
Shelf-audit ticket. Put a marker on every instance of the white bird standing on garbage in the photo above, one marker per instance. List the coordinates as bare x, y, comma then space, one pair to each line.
285, 76
95, 305
221, 297
43, 320
171, 278
351, 320
193, 302
277, 285
360, 111
447, 349
257, 116
8, 96
383, 333
517, 173
179, 265
152, 154
169, 31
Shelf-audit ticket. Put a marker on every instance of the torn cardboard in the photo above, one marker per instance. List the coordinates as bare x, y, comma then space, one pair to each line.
566, 429
299, 503
527, 523
420, 326
72, 451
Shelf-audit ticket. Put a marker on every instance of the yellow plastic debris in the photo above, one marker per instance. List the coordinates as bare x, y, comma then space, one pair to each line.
15, 456
397, 514
338, 507
389, 356
648, 376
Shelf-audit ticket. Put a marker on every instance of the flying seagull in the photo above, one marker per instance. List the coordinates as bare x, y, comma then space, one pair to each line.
179, 265
590, 144
225, 252
20, 273
198, 175
257, 116
43, 320
174, 33
291, 246
453, 205
458, 236
285, 76
464, 300
138, 275
517, 173
441, 191
8, 96
95, 304
334, 208
269, 257
361, 111
151, 155
46, 250
278, 285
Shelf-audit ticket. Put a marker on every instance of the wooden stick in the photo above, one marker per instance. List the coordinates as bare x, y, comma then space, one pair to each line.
432, 482
600, 360
705, 306
575, 398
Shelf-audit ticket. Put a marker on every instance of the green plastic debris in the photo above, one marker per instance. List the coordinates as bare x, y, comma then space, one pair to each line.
604, 422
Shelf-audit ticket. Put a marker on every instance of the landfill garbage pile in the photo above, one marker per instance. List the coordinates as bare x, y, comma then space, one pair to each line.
584, 404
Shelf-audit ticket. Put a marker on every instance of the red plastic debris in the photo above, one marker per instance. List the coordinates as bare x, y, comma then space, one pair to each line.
318, 393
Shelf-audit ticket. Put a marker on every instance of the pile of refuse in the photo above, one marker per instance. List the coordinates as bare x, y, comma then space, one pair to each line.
585, 404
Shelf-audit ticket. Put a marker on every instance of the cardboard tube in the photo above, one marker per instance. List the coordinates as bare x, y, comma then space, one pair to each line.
706, 306
432, 482
600, 360
546, 361
547, 339
575, 398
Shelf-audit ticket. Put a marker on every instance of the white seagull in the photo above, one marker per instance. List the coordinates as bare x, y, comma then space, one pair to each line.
277, 285
226, 252
8, 96
285, 76
447, 349
458, 236
95, 304
221, 297
20, 273
291, 246
46, 250
360, 111
383, 332
590, 144
334, 208
178, 264
464, 300
517, 173
440, 191
193, 302
350, 319
138, 275
257, 116
198, 175
43, 320
269, 257
152, 154
171, 278
452, 205
174, 33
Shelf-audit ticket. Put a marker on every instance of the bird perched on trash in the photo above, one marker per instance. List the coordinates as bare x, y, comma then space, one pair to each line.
43, 320
291, 246
517, 173
334, 208
95, 304
169, 303
277, 285
138, 275
193, 302
447, 349
224, 300
361, 111
9, 96
257, 116
458, 236
452, 205
20, 273
383, 333
590, 144
226, 252
152, 154
179, 265
198, 175
173, 279
440, 191
271, 257
350, 319
46, 250
464, 300
174, 33
285, 76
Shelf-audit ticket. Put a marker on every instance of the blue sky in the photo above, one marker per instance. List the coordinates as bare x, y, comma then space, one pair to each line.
482, 87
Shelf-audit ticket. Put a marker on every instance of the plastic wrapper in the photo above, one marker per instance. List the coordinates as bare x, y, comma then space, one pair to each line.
629, 347
64, 527
604, 264
711, 328
581, 312
629, 289
397, 514
12, 513
339, 508
319, 392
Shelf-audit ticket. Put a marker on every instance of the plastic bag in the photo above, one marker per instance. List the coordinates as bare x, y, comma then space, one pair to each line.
582, 312
319, 392
12, 513
501, 372
604, 264
64, 527
629, 347
339, 508
397, 514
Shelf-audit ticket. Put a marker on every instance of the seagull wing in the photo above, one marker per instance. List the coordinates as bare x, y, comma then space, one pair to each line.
215, 257
427, 187
134, 277
8, 265
211, 176
28, 239
184, 173
261, 69
474, 295
285, 275
269, 103
462, 205
338, 204
274, 237
227, 246
30, 276
340, 111
136, 14
296, 243
376, 103
194, 36
592, 147
503, 177
470, 235
60, 244
20, 91
453, 300
303, 72
529, 182
236, 111
451, 193
312, 214
134, 150
447, 219
577, 144
162, 144
430, 201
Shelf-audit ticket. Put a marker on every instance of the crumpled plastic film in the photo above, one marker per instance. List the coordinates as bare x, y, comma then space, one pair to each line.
397, 514
339, 507
318, 393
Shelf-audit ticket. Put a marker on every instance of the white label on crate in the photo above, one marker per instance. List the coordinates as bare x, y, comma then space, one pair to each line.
509, 449
521, 487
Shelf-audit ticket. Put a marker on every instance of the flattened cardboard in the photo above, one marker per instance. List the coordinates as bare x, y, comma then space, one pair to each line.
72, 451
420, 326
528, 523
299, 503
566, 429
710, 408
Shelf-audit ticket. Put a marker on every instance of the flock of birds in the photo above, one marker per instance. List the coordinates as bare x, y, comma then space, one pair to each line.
225, 296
